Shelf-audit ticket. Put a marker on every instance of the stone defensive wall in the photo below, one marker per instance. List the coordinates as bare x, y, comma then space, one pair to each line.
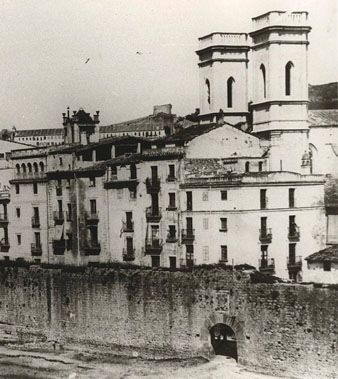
282, 329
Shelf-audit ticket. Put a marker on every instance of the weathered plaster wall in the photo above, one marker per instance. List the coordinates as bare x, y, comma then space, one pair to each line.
280, 328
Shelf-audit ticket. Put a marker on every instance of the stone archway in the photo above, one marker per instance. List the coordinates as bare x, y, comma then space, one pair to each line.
231, 323
223, 341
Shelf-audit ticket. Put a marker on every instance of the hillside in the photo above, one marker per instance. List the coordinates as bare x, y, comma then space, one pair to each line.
323, 96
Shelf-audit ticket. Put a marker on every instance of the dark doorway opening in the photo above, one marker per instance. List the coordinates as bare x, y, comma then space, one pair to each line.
223, 340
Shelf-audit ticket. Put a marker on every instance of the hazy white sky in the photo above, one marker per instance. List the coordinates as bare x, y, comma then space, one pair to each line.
45, 44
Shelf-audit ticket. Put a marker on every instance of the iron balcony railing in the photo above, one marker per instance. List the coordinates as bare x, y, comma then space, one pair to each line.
265, 235
267, 264
3, 217
58, 217
153, 185
294, 233
171, 237
153, 246
35, 222
128, 226
4, 246
91, 217
36, 249
128, 254
188, 235
153, 214
92, 247
294, 262
171, 178
59, 246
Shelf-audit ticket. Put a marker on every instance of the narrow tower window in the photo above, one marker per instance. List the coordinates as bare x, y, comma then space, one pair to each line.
207, 83
229, 91
262, 68
288, 68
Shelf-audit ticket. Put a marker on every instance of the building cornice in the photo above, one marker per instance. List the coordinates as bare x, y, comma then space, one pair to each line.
278, 42
279, 102
223, 47
213, 60
279, 28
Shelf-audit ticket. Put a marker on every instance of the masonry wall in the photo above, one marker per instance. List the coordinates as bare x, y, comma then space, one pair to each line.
280, 328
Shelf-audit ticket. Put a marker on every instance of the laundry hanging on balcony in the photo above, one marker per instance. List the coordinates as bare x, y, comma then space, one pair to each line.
58, 232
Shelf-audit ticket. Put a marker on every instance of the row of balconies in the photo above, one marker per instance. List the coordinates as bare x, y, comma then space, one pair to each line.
153, 184
90, 247
60, 216
268, 265
265, 235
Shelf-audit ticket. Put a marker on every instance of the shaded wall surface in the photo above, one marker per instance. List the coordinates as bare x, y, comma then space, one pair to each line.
280, 328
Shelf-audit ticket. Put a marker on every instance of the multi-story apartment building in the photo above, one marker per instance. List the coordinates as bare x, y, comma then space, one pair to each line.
208, 193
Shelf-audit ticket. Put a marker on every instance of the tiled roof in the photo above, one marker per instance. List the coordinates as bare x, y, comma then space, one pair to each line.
148, 123
330, 254
39, 132
323, 117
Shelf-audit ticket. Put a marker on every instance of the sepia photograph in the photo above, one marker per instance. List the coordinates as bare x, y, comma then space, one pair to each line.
169, 189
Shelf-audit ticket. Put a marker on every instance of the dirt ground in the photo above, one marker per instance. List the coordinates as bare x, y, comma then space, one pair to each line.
16, 364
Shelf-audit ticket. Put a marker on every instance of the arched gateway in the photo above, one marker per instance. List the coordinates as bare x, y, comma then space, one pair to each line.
222, 335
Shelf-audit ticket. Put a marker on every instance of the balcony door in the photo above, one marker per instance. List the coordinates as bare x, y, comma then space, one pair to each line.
263, 226
155, 235
154, 173
189, 226
129, 220
37, 239
154, 204
129, 245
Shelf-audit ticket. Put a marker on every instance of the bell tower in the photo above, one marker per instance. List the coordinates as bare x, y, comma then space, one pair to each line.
280, 86
223, 76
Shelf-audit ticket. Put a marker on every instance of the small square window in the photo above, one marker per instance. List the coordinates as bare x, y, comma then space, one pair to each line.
224, 195
327, 266
205, 196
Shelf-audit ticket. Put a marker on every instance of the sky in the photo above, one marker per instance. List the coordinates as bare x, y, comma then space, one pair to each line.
141, 53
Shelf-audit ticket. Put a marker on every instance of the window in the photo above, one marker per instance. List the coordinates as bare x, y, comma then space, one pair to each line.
129, 220
133, 172
260, 166
92, 181
206, 253
288, 69
172, 231
172, 200
189, 201
68, 183
263, 198
207, 84
37, 239
327, 266
224, 253
292, 253
35, 188
69, 212
263, 227
205, 223
171, 172
130, 245
18, 238
155, 261
92, 206
262, 68
247, 166
264, 254
230, 83
18, 212
291, 197
60, 161
224, 195
17, 188
224, 225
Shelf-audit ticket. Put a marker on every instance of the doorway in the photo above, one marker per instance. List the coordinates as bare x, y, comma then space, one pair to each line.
223, 340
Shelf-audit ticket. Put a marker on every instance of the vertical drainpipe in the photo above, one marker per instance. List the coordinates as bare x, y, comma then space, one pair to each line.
108, 226
77, 219
47, 202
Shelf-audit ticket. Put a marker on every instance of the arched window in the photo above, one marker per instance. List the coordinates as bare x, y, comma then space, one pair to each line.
247, 166
17, 168
288, 69
262, 68
23, 166
207, 83
42, 166
35, 167
29, 166
230, 83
